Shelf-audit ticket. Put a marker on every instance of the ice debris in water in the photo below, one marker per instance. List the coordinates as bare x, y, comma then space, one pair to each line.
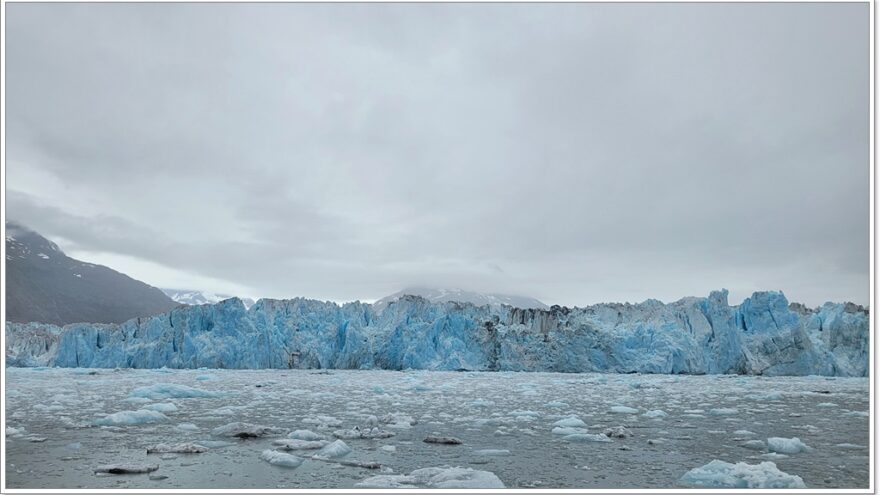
720, 474
172, 390
754, 445
322, 421
655, 413
296, 444
246, 430
567, 430
138, 417
15, 432
617, 432
624, 410
358, 432
127, 468
571, 421
186, 427
179, 448
456, 477
723, 411
334, 450
305, 435
281, 459
162, 407
586, 437
398, 420
786, 445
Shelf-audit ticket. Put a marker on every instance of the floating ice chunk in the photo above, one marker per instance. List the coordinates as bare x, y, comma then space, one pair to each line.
826, 404
857, 413
786, 445
388, 448
163, 407
617, 432
179, 448
744, 432
139, 417
723, 411
358, 432
567, 430
73, 446
456, 477
334, 450
624, 410
206, 378
187, 427
245, 430
281, 459
849, 446
556, 404
127, 468
492, 452
322, 421
398, 420
296, 444
754, 445
586, 437
442, 440
720, 474
215, 444
15, 432
571, 421
138, 400
305, 435
655, 413
172, 390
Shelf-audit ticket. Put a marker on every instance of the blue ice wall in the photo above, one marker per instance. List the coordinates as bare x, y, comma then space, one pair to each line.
763, 335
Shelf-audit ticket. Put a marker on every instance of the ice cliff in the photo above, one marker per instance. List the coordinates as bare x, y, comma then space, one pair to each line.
763, 335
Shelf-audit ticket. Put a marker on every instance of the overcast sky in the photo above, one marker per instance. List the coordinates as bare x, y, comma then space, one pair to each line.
576, 153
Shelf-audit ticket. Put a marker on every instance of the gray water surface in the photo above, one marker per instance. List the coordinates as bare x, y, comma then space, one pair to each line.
501, 411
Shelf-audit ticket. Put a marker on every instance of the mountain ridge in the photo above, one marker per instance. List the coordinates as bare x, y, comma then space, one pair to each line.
43, 284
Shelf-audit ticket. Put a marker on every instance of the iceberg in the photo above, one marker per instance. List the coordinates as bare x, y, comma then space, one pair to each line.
765, 335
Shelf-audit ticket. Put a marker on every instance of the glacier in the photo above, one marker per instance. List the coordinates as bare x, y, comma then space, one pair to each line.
764, 335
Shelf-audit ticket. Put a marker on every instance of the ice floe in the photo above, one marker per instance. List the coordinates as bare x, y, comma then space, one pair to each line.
178, 448
720, 474
624, 410
172, 390
456, 477
281, 459
139, 417
786, 445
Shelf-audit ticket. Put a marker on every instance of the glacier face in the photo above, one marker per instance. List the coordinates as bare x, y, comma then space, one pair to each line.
763, 335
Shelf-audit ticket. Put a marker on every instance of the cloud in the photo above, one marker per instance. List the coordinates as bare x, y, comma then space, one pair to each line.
594, 151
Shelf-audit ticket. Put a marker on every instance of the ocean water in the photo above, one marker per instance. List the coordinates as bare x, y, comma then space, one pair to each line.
58, 431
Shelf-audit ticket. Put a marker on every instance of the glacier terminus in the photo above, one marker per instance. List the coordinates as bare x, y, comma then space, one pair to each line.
764, 335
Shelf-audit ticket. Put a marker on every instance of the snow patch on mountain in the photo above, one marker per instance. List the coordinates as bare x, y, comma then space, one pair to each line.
462, 296
192, 297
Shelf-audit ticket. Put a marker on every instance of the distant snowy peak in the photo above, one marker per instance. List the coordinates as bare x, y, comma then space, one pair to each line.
194, 297
459, 295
